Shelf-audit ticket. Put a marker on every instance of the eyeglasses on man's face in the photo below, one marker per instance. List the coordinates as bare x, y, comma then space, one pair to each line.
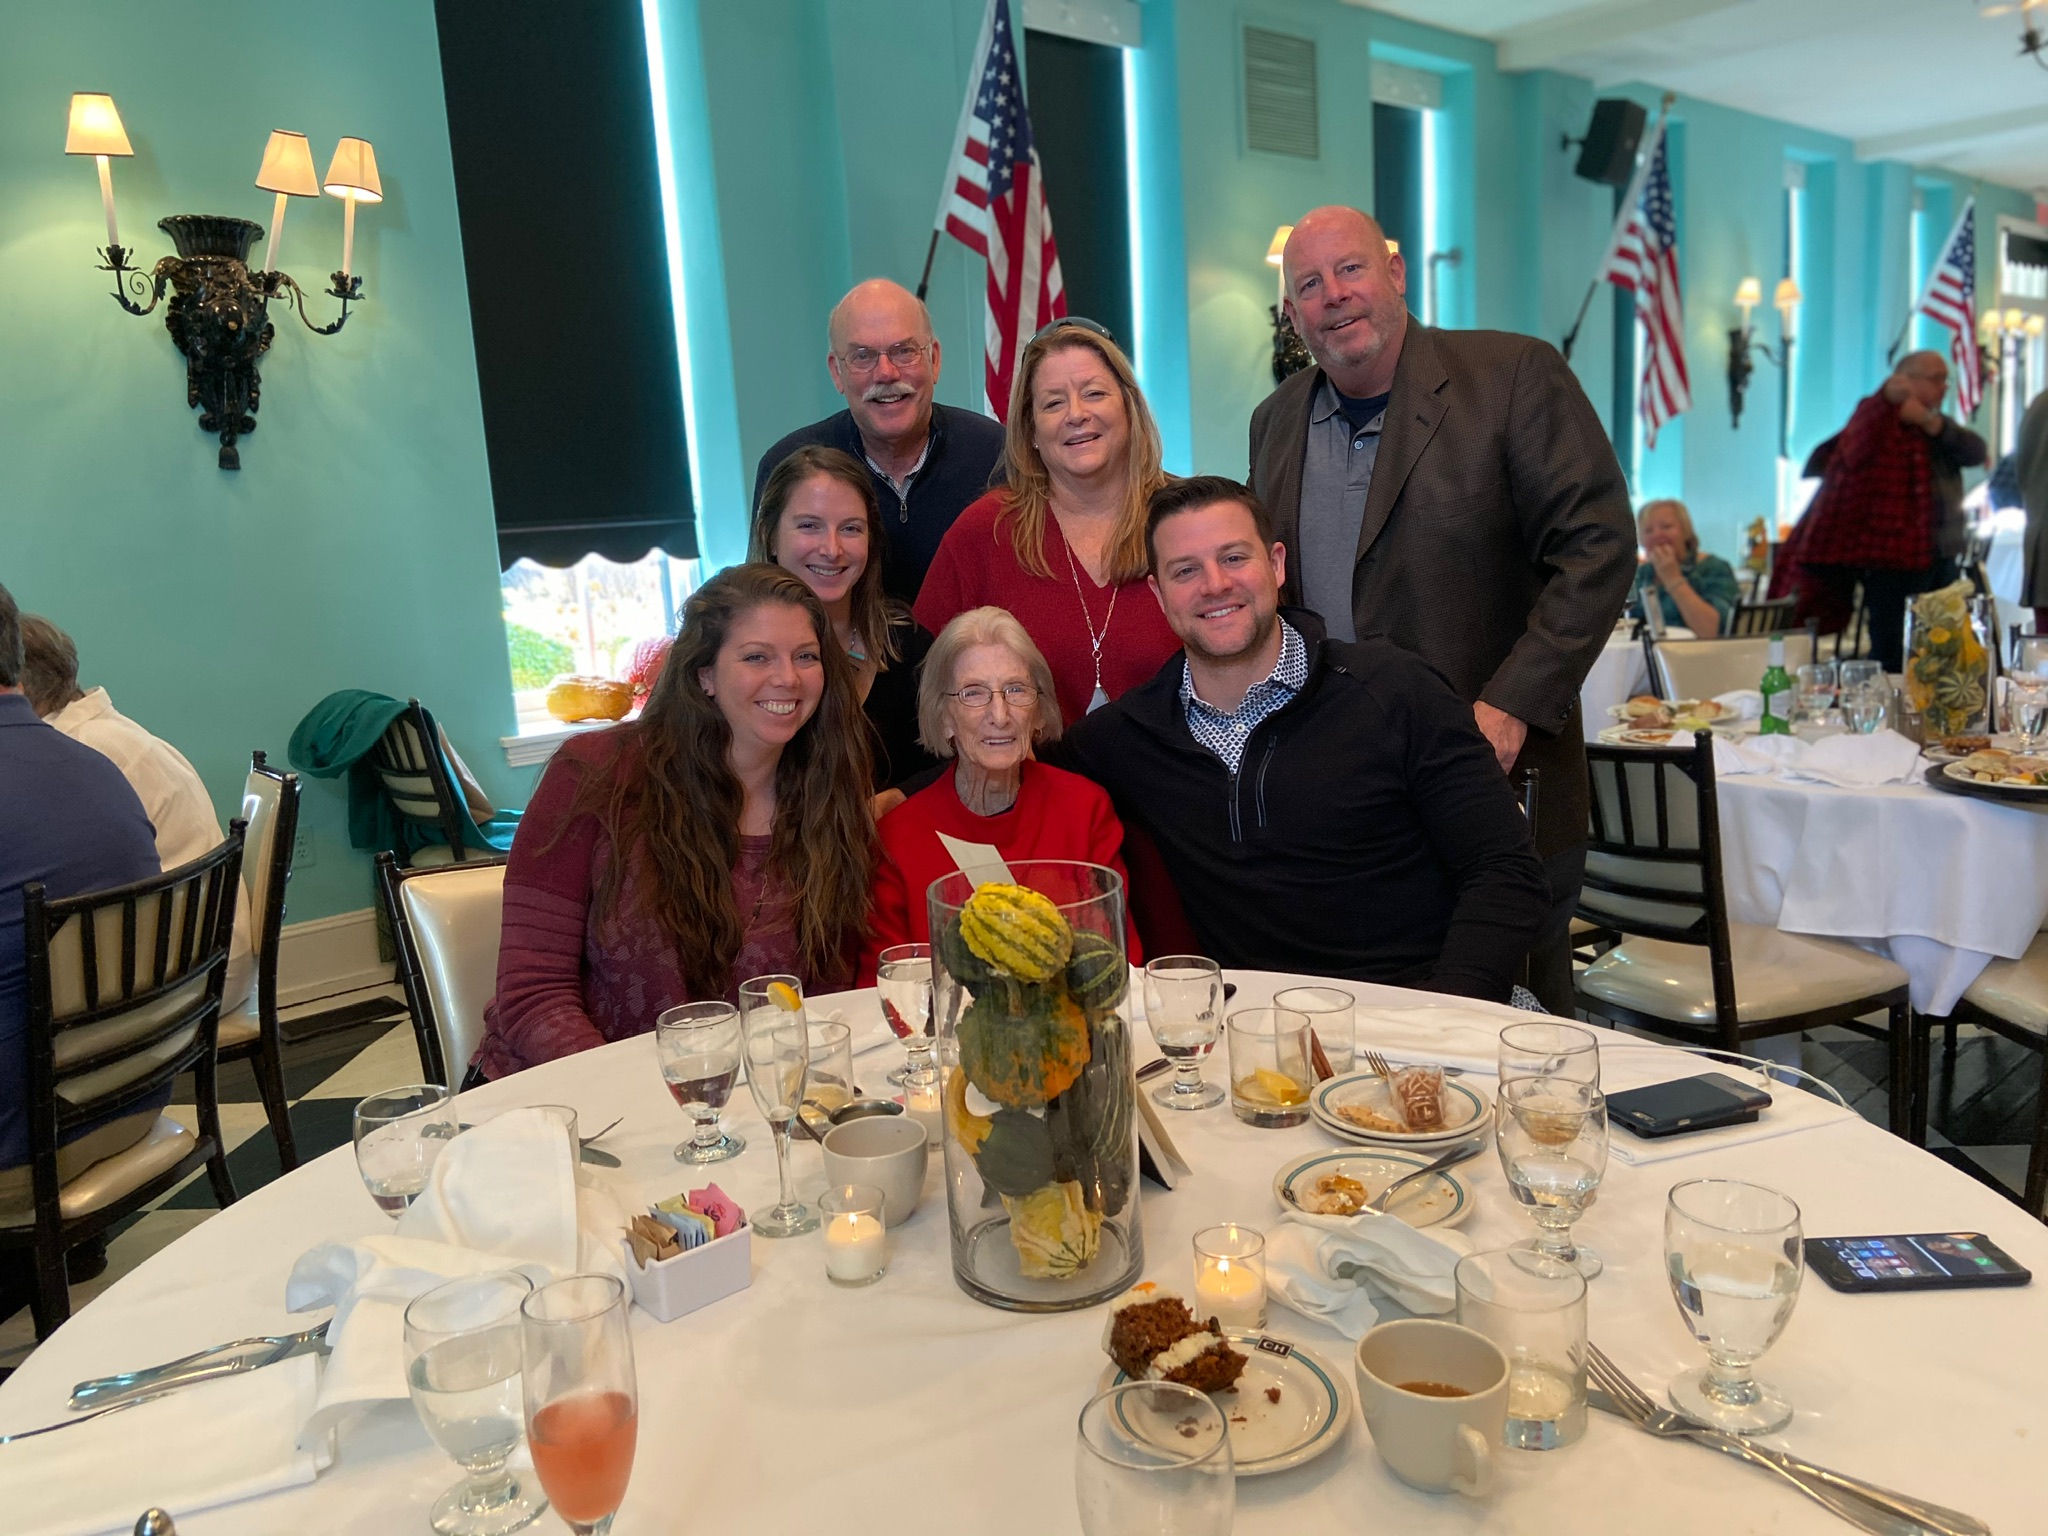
903, 354
980, 696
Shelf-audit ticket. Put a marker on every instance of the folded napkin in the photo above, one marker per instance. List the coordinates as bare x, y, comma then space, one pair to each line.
1857, 762
860, 1010
1754, 754
1331, 1267
198, 1448
1742, 703
1467, 1037
503, 1195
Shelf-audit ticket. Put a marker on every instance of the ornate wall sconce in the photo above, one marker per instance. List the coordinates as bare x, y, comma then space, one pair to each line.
1742, 343
218, 314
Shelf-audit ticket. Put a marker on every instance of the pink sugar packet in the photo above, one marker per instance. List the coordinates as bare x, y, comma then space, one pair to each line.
723, 1211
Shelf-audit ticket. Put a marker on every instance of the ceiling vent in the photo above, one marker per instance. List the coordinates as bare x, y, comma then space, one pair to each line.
1280, 94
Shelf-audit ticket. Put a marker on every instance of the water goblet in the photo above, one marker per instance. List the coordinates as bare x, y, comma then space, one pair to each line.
778, 1047
582, 1397
463, 1367
698, 1046
903, 979
398, 1135
1564, 1051
1184, 1007
2026, 699
1154, 1456
1551, 1133
1734, 1257
1815, 691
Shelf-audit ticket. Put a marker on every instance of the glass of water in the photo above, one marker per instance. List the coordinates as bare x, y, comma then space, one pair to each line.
1551, 1133
2026, 699
699, 1049
903, 981
1154, 1456
1184, 1007
462, 1364
1564, 1051
1733, 1255
1534, 1308
398, 1134
1816, 692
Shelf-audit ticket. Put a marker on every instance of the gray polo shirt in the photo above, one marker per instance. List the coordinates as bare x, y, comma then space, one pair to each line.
1336, 472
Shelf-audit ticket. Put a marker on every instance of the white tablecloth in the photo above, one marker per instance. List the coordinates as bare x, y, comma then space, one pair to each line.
1942, 883
1618, 675
908, 1408
2006, 566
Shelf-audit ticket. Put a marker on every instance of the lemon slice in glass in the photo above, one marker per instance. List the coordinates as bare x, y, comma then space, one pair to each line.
784, 996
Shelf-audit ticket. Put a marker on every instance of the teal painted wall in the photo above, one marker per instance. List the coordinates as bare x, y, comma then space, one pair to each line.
355, 547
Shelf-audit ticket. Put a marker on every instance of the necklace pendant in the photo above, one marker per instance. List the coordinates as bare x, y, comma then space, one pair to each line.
1097, 699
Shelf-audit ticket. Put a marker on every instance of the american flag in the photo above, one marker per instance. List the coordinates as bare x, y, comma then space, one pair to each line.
994, 203
1644, 259
1951, 302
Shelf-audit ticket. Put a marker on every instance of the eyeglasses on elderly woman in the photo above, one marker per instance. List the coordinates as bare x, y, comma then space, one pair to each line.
979, 696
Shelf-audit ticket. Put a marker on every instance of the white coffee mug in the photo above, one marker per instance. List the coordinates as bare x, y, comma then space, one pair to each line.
1435, 1397
888, 1151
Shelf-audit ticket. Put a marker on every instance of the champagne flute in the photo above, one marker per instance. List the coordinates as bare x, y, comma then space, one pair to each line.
1552, 1137
1154, 1456
699, 1049
582, 1400
463, 1367
903, 979
1733, 1255
398, 1135
778, 1043
1184, 1006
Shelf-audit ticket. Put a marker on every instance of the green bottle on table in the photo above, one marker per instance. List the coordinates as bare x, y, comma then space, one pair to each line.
1776, 688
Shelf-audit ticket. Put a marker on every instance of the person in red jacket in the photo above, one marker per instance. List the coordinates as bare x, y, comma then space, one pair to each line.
986, 699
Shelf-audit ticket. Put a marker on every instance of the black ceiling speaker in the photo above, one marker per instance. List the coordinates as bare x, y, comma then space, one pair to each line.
1607, 154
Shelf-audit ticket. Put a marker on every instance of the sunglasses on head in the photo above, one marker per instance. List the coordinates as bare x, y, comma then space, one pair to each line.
1078, 323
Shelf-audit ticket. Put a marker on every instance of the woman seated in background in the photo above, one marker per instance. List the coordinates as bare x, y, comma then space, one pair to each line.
817, 521
1695, 590
985, 699
723, 835
1062, 544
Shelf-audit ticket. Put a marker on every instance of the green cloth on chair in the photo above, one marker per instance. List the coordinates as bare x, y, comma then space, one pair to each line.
336, 737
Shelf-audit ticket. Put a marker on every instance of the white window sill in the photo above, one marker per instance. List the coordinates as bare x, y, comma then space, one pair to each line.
536, 744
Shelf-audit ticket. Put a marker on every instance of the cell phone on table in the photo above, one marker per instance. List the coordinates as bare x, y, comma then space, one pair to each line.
1687, 1104
1927, 1261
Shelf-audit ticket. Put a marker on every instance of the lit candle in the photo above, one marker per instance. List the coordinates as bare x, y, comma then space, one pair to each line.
107, 198
276, 233
348, 231
854, 1248
1230, 1276
922, 1102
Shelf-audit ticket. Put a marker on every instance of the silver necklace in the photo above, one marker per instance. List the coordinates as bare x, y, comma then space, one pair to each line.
1098, 698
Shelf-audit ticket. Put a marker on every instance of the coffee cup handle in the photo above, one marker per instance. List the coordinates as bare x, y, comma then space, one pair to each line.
1471, 1463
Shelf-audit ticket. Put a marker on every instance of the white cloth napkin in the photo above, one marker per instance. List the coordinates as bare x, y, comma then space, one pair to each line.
1743, 703
1454, 1036
503, 1195
860, 1011
1857, 762
198, 1448
1754, 754
1308, 1261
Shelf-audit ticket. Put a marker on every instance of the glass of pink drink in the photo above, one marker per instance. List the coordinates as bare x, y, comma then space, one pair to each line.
582, 1401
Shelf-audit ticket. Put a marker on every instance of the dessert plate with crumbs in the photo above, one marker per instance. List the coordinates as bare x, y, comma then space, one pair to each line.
1289, 1406
1339, 1183
1359, 1106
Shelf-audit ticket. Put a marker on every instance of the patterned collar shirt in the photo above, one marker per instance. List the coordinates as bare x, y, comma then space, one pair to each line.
1225, 734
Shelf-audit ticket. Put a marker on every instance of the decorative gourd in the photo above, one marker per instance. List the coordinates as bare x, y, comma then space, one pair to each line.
969, 1129
1090, 1126
1053, 1230
1022, 1049
1016, 1155
1018, 931
1097, 974
962, 963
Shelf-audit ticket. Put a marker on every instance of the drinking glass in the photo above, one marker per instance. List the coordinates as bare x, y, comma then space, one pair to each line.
1733, 1254
1269, 1066
1562, 1051
1154, 1457
829, 1083
1861, 673
1552, 1137
699, 1048
1184, 1007
903, 979
1331, 1014
563, 1118
856, 1240
2026, 699
462, 1364
778, 1044
1815, 689
582, 1400
1230, 1276
398, 1134
1534, 1308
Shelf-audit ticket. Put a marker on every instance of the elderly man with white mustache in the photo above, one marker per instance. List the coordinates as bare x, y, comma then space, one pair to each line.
928, 461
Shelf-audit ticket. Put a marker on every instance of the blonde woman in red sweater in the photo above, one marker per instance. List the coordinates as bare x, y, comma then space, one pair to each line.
986, 698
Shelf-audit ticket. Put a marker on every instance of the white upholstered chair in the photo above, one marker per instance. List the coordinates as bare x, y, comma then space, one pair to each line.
1705, 669
2010, 998
446, 921
270, 807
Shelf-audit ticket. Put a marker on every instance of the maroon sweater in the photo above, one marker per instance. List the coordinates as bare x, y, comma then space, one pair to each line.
567, 983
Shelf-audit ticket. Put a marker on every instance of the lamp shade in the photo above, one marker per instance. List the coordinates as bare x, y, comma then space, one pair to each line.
1749, 293
95, 127
1393, 247
2015, 319
1279, 245
1788, 295
354, 169
288, 165
2036, 325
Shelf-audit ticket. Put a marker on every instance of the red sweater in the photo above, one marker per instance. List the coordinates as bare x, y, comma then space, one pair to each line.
977, 565
567, 983
1058, 815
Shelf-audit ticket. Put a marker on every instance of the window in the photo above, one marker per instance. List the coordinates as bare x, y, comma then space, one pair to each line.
1791, 497
588, 618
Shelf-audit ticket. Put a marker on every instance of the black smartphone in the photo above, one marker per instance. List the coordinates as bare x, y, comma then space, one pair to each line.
1929, 1261
1687, 1104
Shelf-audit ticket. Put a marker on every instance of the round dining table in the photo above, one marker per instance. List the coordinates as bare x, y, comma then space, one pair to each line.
907, 1407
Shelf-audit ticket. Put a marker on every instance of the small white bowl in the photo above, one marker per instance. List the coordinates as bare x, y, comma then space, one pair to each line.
888, 1151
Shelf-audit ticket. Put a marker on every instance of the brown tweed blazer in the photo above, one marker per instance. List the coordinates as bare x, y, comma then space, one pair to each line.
1498, 542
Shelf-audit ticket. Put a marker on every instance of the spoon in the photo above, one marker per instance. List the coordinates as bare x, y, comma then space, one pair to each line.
1463, 1152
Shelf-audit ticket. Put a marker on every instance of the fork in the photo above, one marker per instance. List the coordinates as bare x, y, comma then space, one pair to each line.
1864, 1504
1376, 1064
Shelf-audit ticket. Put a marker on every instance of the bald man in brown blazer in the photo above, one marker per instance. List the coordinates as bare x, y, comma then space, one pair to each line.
1454, 492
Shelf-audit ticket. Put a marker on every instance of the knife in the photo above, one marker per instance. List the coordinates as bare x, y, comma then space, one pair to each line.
206, 1365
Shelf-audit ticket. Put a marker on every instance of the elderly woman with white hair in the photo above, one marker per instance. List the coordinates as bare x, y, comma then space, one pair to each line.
985, 699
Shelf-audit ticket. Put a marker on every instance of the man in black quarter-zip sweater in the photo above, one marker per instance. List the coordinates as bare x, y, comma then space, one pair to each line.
1323, 806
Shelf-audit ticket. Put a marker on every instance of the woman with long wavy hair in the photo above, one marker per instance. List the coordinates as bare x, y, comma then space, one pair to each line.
724, 834
1062, 543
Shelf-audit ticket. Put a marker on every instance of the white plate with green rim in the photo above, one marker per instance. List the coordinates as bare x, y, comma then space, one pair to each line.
1289, 1407
1466, 1111
1442, 1200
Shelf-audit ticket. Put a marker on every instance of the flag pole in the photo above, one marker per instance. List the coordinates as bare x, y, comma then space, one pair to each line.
1628, 203
930, 251
988, 25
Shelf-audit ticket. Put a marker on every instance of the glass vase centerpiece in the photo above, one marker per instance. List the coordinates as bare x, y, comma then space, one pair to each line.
1948, 666
1030, 990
